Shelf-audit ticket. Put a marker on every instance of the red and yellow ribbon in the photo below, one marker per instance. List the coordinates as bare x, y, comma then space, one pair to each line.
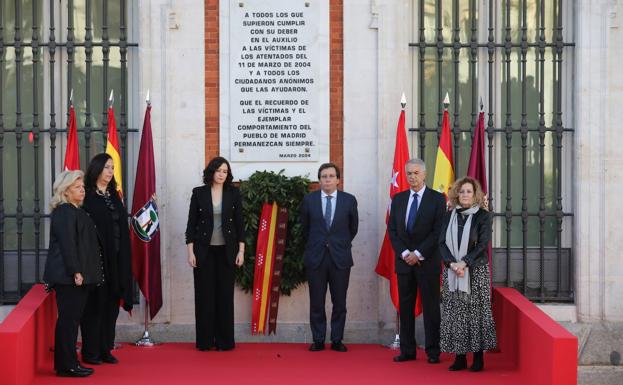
268, 257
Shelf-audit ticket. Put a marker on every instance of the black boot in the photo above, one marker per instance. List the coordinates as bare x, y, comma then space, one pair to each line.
479, 362
460, 363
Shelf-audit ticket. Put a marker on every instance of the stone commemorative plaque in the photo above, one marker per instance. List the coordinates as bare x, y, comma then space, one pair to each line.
279, 80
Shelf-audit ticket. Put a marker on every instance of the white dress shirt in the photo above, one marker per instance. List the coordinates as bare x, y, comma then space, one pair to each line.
420, 194
324, 202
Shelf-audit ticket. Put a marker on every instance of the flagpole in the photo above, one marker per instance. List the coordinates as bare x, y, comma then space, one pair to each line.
395, 344
145, 340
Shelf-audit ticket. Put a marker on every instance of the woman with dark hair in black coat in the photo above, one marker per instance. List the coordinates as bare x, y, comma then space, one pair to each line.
215, 240
72, 265
103, 203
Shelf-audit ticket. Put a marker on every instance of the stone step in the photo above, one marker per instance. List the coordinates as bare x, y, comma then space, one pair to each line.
600, 375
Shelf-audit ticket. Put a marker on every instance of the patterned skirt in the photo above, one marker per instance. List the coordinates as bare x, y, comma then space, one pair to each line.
466, 319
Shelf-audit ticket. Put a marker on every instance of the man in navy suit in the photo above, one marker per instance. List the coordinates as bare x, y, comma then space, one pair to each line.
414, 225
330, 220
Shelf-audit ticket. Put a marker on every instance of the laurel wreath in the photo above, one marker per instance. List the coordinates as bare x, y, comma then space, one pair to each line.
268, 186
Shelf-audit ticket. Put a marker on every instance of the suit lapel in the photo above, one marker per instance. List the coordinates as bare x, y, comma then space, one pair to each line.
226, 205
207, 201
316, 203
402, 209
338, 205
423, 205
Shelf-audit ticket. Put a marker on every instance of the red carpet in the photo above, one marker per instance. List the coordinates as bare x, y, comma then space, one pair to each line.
279, 363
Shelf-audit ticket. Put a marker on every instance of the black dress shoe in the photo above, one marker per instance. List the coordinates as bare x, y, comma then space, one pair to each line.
404, 357
433, 360
477, 367
110, 359
316, 347
224, 349
460, 363
479, 362
72, 373
84, 369
205, 348
91, 360
338, 346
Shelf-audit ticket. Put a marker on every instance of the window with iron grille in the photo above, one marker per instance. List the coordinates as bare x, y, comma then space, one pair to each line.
49, 50
517, 56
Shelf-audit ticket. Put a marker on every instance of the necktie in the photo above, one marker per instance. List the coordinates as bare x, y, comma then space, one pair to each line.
412, 214
327, 212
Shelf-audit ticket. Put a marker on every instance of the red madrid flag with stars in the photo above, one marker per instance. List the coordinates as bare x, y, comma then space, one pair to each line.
385, 266
72, 154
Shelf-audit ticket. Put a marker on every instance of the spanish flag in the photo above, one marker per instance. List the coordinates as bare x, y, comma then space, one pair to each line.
444, 165
112, 148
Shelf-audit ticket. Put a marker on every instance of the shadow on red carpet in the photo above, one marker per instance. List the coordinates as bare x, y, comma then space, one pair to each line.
277, 364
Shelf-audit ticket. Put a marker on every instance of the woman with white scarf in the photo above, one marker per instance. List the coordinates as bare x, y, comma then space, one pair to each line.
466, 319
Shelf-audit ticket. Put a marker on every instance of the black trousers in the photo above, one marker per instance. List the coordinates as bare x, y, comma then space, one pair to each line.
70, 302
214, 298
337, 280
408, 285
98, 323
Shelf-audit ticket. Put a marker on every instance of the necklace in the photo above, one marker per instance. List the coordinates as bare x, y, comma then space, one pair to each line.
101, 193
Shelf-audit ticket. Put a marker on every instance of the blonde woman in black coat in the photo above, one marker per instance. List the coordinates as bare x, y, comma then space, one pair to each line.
73, 263
467, 322
215, 241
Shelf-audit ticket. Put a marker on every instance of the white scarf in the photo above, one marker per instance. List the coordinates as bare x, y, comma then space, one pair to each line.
459, 251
